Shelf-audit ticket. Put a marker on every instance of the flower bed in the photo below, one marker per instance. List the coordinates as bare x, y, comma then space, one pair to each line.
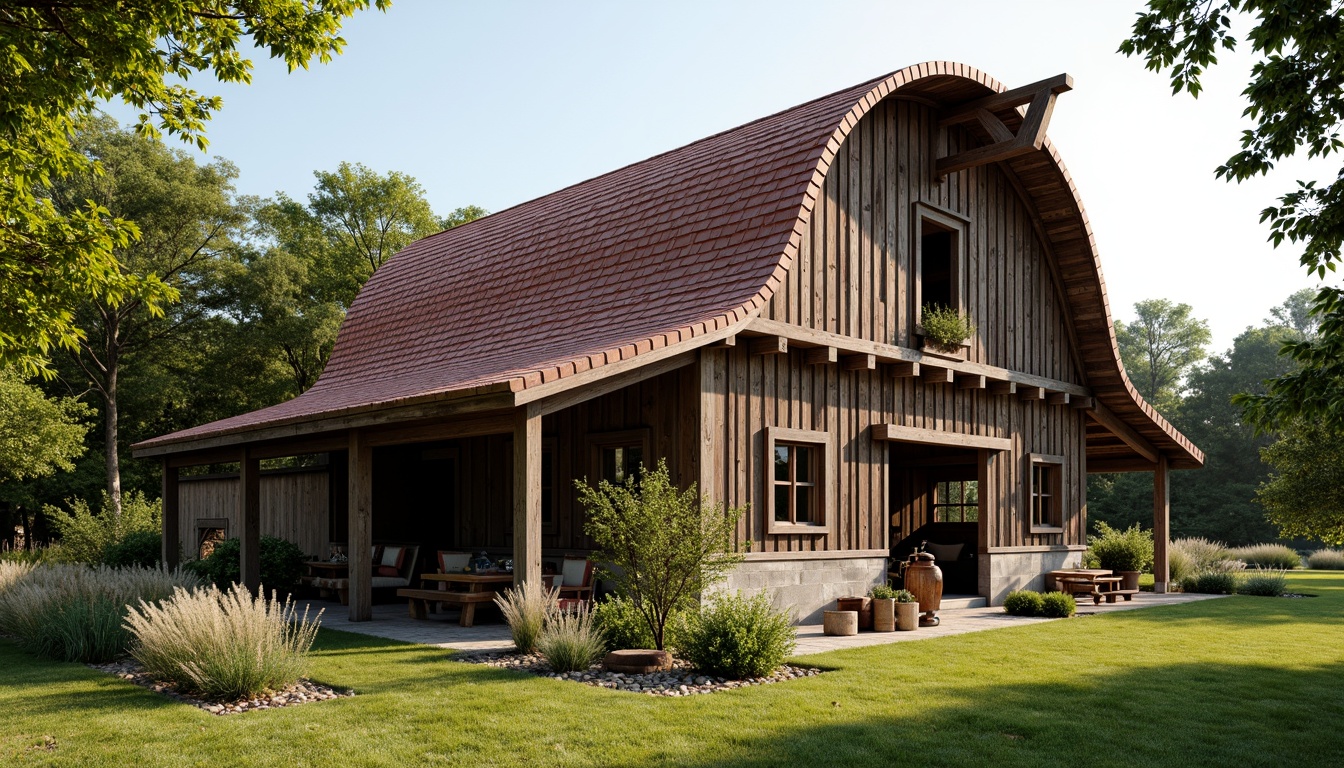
681, 680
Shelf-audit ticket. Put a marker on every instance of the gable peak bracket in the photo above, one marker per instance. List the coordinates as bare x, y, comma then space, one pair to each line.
1039, 98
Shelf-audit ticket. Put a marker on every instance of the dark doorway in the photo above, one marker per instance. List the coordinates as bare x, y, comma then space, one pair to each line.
935, 506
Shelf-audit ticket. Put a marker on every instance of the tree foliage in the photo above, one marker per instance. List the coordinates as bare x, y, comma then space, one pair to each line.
1294, 102
38, 435
1159, 347
58, 62
1305, 495
662, 547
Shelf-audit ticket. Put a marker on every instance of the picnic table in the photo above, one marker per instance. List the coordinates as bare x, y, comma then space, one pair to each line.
464, 589
1095, 583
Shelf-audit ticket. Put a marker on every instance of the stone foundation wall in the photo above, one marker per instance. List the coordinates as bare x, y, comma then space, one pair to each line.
1004, 572
807, 587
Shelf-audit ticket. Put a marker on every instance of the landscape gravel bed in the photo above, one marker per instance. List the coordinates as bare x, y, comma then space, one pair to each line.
302, 692
681, 680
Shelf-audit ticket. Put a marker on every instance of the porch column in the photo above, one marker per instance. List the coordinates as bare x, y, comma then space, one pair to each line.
1161, 526
359, 548
526, 496
249, 515
172, 533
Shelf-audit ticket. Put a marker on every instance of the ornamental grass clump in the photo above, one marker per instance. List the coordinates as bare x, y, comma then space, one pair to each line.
736, 637
76, 612
945, 327
1268, 556
1326, 560
1264, 582
527, 609
223, 646
1202, 554
572, 641
1023, 602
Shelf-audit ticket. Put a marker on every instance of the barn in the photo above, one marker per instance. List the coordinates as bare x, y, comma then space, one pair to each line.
748, 308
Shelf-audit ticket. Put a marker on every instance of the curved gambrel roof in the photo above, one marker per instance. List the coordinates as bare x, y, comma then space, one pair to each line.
663, 255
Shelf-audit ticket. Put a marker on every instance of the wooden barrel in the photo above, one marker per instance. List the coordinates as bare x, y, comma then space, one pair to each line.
860, 605
841, 623
925, 580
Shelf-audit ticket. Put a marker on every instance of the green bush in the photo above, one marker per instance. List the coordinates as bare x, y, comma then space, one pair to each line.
1058, 605
87, 535
223, 645
1127, 550
736, 637
281, 564
945, 327
905, 596
622, 624
882, 592
1264, 582
1326, 560
1023, 602
572, 641
1210, 583
527, 610
143, 549
75, 612
1268, 556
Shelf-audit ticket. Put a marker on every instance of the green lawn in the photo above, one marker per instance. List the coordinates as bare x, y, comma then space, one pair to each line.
1241, 681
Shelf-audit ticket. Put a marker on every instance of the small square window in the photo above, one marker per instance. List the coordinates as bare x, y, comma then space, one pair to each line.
796, 488
1044, 493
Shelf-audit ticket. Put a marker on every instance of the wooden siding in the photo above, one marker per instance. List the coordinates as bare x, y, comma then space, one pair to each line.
294, 506
853, 275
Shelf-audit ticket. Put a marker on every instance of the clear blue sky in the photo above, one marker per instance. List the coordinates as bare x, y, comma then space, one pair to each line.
496, 103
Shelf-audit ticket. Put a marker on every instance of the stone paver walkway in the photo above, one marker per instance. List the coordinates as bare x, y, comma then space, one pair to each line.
441, 630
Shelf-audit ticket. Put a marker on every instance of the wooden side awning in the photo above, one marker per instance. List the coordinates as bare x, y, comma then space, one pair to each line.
899, 434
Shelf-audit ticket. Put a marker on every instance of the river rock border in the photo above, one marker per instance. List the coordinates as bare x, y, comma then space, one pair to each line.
302, 692
681, 680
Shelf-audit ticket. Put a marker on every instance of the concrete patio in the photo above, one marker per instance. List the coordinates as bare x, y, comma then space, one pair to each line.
392, 621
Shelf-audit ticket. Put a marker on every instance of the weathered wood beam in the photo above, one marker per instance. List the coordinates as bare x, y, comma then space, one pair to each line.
1161, 527
970, 381
1103, 416
900, 434
359, 527
172, 516
859, 362
725, 343
571, 397
249, 515
1109, 466
768, 345
930, 374
1031, 393
821, 355
1005, 145
1001, 388
993, 125
903, 369
1083, 403
1057, 398
1014, 97
527, 497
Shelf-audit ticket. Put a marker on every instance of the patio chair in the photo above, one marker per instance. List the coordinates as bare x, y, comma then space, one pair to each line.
575, 582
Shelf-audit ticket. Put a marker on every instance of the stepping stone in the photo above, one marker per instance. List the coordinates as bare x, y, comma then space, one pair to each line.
637, 662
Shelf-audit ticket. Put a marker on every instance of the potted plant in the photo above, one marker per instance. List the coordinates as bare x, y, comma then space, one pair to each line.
907, 610
884, 608
1125, 553
945, 331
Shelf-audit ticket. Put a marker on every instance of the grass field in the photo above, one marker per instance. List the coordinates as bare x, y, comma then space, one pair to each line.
1241, 681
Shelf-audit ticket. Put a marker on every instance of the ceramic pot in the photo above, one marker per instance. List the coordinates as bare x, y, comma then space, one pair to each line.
907, 616
861, 605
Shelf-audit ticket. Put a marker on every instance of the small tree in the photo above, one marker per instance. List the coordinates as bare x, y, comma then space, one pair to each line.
661, 546
1305, 494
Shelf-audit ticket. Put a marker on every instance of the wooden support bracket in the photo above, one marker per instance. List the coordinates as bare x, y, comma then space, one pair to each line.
1031, 393
768, 345
970, 381
821, 355
935, 375
903, 369
1057, 398
859, 362
725, 343
1083, 403
1000, 388
1006, 145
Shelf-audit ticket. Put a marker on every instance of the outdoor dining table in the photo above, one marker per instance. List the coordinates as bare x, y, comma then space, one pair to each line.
464, 589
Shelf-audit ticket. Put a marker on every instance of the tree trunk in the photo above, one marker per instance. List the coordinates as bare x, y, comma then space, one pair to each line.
27, 530
110, 420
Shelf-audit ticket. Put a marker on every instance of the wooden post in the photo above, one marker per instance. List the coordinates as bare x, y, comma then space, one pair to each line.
1161, 526
359, 528
172, 524
526, 497
249, 513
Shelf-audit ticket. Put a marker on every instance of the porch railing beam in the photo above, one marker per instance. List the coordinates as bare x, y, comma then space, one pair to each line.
527, 496
360, 527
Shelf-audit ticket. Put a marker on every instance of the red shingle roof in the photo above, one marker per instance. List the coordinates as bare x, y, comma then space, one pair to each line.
654, 254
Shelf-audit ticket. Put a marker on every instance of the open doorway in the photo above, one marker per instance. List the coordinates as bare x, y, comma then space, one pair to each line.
935, 505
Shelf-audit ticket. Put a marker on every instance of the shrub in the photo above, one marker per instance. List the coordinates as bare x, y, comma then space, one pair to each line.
1023, 602
1326, 560
137, 548
905, 596
75, 612
572, 641
222, 645
1203, 554
622, 624
945, 327
882, 592
1058, 605
737, 637
86, 535
527, 609
1268, 556
1211, 583
1264, 582
1127, 550
281, 564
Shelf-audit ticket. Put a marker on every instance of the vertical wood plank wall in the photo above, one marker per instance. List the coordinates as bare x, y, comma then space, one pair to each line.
294, 506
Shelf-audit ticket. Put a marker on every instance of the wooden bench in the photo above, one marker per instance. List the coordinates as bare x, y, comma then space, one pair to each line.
418, 602
1095, 587
1128, 594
